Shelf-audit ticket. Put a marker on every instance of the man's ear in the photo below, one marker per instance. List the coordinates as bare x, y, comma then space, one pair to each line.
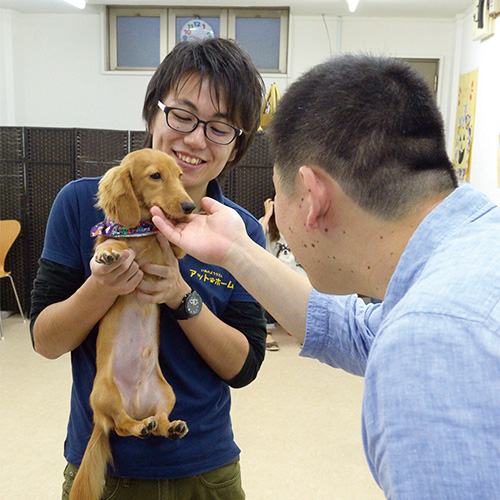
232, 156
316, 184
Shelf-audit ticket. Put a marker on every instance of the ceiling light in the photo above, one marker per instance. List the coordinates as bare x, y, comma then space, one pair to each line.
352, 5
77, 3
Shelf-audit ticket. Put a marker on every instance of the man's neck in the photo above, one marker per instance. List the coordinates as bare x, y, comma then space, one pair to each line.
383, 245
196, 194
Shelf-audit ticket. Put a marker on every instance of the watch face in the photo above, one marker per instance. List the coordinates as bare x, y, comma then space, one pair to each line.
193, 304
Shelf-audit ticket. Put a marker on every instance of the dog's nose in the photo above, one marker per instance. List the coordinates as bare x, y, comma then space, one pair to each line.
187, 207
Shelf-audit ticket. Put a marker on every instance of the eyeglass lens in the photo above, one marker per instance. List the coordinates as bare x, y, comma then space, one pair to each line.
184, 121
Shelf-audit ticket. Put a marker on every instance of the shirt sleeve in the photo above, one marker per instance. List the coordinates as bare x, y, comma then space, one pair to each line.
249, 319
340, 330
62, 243
53, 283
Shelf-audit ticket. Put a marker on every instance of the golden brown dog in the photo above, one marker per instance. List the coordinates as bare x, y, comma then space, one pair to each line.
130, 395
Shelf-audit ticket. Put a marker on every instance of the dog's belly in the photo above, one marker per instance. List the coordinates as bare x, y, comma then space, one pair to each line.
135, 358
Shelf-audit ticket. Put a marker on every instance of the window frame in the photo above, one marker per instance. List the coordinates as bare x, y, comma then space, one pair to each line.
275, 13
168, 16
113, 13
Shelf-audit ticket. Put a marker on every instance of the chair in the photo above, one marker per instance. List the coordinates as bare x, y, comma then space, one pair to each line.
9, 231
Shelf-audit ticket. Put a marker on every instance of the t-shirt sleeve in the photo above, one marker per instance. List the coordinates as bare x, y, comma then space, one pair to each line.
62, 243
248, 318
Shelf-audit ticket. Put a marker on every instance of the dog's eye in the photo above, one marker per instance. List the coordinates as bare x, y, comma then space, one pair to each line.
155, 176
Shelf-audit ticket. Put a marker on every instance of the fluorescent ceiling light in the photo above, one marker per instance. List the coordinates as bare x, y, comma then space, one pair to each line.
77, 3
352, 4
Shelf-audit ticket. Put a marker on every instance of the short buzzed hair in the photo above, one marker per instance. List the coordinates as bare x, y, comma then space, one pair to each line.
373, 125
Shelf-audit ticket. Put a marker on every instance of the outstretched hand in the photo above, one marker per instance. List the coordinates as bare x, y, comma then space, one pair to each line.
208, 237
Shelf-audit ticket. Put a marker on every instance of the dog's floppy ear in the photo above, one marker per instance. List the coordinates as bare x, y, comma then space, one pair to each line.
116, 196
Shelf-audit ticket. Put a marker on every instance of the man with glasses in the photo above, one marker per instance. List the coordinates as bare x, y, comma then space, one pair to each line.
202, 107
184, 121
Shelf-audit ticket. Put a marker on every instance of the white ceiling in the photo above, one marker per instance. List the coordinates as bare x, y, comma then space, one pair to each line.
366, 8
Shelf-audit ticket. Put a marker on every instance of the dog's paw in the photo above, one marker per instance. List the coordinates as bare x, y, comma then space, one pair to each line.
177, 429
149, 427
108, 255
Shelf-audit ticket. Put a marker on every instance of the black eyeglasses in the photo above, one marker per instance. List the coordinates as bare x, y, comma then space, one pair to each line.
184, 121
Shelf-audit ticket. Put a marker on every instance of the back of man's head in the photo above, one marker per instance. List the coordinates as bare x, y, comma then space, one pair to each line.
373, 125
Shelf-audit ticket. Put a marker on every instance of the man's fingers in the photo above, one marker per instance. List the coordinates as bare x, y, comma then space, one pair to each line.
210, 205
165, 246
160, 221
165, 226
157, 211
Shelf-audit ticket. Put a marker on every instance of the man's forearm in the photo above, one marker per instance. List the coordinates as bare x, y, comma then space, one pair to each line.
283, 292
220, 238
63, 326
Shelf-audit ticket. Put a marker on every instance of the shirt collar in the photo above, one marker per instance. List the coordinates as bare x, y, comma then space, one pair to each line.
215, 191
461, 207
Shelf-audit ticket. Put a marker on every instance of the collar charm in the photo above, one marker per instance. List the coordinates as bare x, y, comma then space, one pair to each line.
113, 229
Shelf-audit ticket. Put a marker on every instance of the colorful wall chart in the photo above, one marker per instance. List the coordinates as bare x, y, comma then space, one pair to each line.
464, 125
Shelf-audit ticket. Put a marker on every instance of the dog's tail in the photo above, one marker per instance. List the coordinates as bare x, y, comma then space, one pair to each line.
89, 481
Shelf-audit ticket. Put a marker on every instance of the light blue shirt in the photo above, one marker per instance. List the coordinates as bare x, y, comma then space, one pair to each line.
430, 355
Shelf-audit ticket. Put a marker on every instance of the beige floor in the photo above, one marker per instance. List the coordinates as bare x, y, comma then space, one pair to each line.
298, 425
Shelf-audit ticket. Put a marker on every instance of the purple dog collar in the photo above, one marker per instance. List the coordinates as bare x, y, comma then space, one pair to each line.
113, 229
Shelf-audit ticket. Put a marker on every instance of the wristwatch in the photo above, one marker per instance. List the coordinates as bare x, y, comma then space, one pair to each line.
190, 306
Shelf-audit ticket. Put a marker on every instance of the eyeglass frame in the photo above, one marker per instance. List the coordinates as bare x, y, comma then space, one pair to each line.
166, 109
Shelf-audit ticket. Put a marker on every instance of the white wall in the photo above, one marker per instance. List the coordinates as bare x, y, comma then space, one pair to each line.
55, 74
412, 38
59, 77
7, 73
51, 71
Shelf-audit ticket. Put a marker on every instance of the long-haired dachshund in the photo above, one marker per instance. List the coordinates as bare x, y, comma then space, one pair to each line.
130, 395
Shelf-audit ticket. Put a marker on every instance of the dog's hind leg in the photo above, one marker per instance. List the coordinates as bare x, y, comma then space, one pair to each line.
127, 426
170, 429
107, 404
173, 430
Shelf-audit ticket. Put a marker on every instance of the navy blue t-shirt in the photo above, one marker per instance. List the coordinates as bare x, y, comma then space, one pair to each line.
202, 398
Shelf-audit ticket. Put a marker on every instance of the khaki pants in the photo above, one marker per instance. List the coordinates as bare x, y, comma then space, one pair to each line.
223, 483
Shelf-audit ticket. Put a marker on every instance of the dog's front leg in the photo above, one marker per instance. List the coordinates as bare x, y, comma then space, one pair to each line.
110, 251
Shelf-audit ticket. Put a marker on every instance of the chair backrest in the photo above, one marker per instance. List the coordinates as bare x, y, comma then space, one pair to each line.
9, 231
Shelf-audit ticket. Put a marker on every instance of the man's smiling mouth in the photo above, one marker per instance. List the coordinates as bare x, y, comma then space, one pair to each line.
188, 159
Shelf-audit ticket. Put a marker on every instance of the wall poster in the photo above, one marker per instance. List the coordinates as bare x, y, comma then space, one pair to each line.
464, 125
